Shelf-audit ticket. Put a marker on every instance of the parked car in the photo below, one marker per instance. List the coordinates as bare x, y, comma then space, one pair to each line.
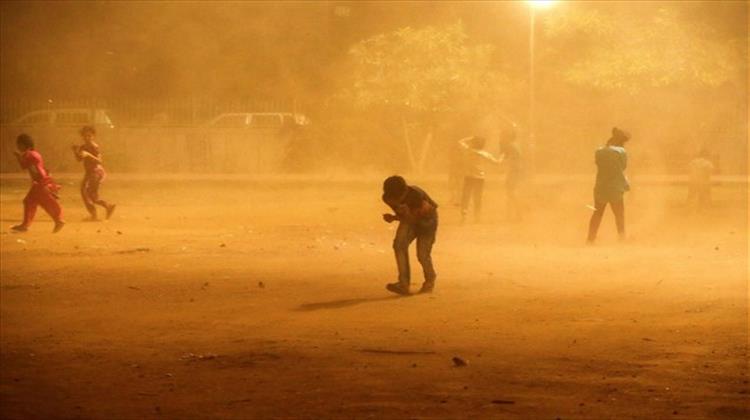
254, 142
261, 120
66, 117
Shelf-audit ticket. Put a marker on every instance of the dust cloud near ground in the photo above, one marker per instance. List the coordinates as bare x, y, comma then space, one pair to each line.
234, 297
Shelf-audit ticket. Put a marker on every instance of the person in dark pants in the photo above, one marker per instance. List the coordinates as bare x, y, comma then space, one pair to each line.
417, 215
94, 174
475, 158
611, 182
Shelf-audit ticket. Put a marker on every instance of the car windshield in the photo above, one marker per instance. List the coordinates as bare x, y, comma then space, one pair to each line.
266, 121
36, 118
231, 121
73, 118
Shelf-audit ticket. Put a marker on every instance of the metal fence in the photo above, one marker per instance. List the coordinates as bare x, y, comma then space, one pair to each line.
169, 112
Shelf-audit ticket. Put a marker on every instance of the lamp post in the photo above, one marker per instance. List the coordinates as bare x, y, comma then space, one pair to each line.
533, 6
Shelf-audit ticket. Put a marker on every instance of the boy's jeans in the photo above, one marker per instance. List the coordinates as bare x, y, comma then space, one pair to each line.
424, 232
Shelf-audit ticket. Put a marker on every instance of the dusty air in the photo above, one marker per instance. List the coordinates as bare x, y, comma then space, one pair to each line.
374, 209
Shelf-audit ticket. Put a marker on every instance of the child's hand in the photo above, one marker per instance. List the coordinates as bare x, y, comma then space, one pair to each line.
389, 217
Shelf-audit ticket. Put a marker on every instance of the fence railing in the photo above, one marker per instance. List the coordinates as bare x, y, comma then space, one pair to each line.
155, 112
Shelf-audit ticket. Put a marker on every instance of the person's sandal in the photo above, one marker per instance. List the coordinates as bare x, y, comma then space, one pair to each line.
19, 228
427, 288
397, 288
58, 225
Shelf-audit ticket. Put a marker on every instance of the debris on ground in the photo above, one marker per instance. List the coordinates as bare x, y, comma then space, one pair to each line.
396, 352
119, 232
459, 362
133, 251
503, 402
261, 285
201, 357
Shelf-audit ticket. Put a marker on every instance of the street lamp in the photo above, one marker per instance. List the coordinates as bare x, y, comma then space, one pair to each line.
533, 6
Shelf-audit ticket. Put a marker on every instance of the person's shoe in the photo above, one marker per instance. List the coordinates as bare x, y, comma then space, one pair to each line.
398, 288
110, 210
19, 228
58, 225
427, 287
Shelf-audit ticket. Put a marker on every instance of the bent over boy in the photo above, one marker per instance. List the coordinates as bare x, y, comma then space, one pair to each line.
417, 215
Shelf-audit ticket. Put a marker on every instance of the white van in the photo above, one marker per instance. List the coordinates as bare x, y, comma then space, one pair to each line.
69, 117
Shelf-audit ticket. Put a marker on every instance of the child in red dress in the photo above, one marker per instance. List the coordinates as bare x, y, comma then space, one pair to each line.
43, 190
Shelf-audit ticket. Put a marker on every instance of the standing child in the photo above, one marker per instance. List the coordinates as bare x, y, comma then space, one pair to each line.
611, 182
94, 174
512, 158
699, 190
43, 191
475, 158
417, 215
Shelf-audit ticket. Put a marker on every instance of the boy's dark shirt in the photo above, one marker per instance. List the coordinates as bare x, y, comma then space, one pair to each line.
415, 200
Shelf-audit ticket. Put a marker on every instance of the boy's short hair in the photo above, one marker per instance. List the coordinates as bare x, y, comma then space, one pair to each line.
25, 140
619, 136
87, 129
394, 186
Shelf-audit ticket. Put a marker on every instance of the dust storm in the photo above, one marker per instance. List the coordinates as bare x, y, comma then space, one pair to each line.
563, 185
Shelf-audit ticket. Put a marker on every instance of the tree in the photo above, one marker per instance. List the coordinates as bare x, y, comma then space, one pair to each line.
643, 48
419, 75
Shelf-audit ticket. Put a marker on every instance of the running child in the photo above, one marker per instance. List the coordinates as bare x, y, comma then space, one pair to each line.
94, 174
611, 182
43, 191
417, 215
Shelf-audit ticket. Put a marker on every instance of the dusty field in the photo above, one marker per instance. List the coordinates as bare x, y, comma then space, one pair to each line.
160, 313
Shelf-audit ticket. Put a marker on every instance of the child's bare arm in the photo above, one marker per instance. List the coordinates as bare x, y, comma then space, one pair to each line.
489, 156
87, 155
19, 157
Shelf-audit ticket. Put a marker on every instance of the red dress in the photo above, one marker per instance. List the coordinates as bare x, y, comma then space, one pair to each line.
43, 191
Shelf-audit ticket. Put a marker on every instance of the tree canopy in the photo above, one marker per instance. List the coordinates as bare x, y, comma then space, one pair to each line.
431, 69
635, 50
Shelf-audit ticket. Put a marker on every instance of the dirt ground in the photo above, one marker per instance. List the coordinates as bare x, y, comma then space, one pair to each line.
242, 298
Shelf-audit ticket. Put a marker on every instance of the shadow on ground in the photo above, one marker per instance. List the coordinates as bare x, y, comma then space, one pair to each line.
343, 303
